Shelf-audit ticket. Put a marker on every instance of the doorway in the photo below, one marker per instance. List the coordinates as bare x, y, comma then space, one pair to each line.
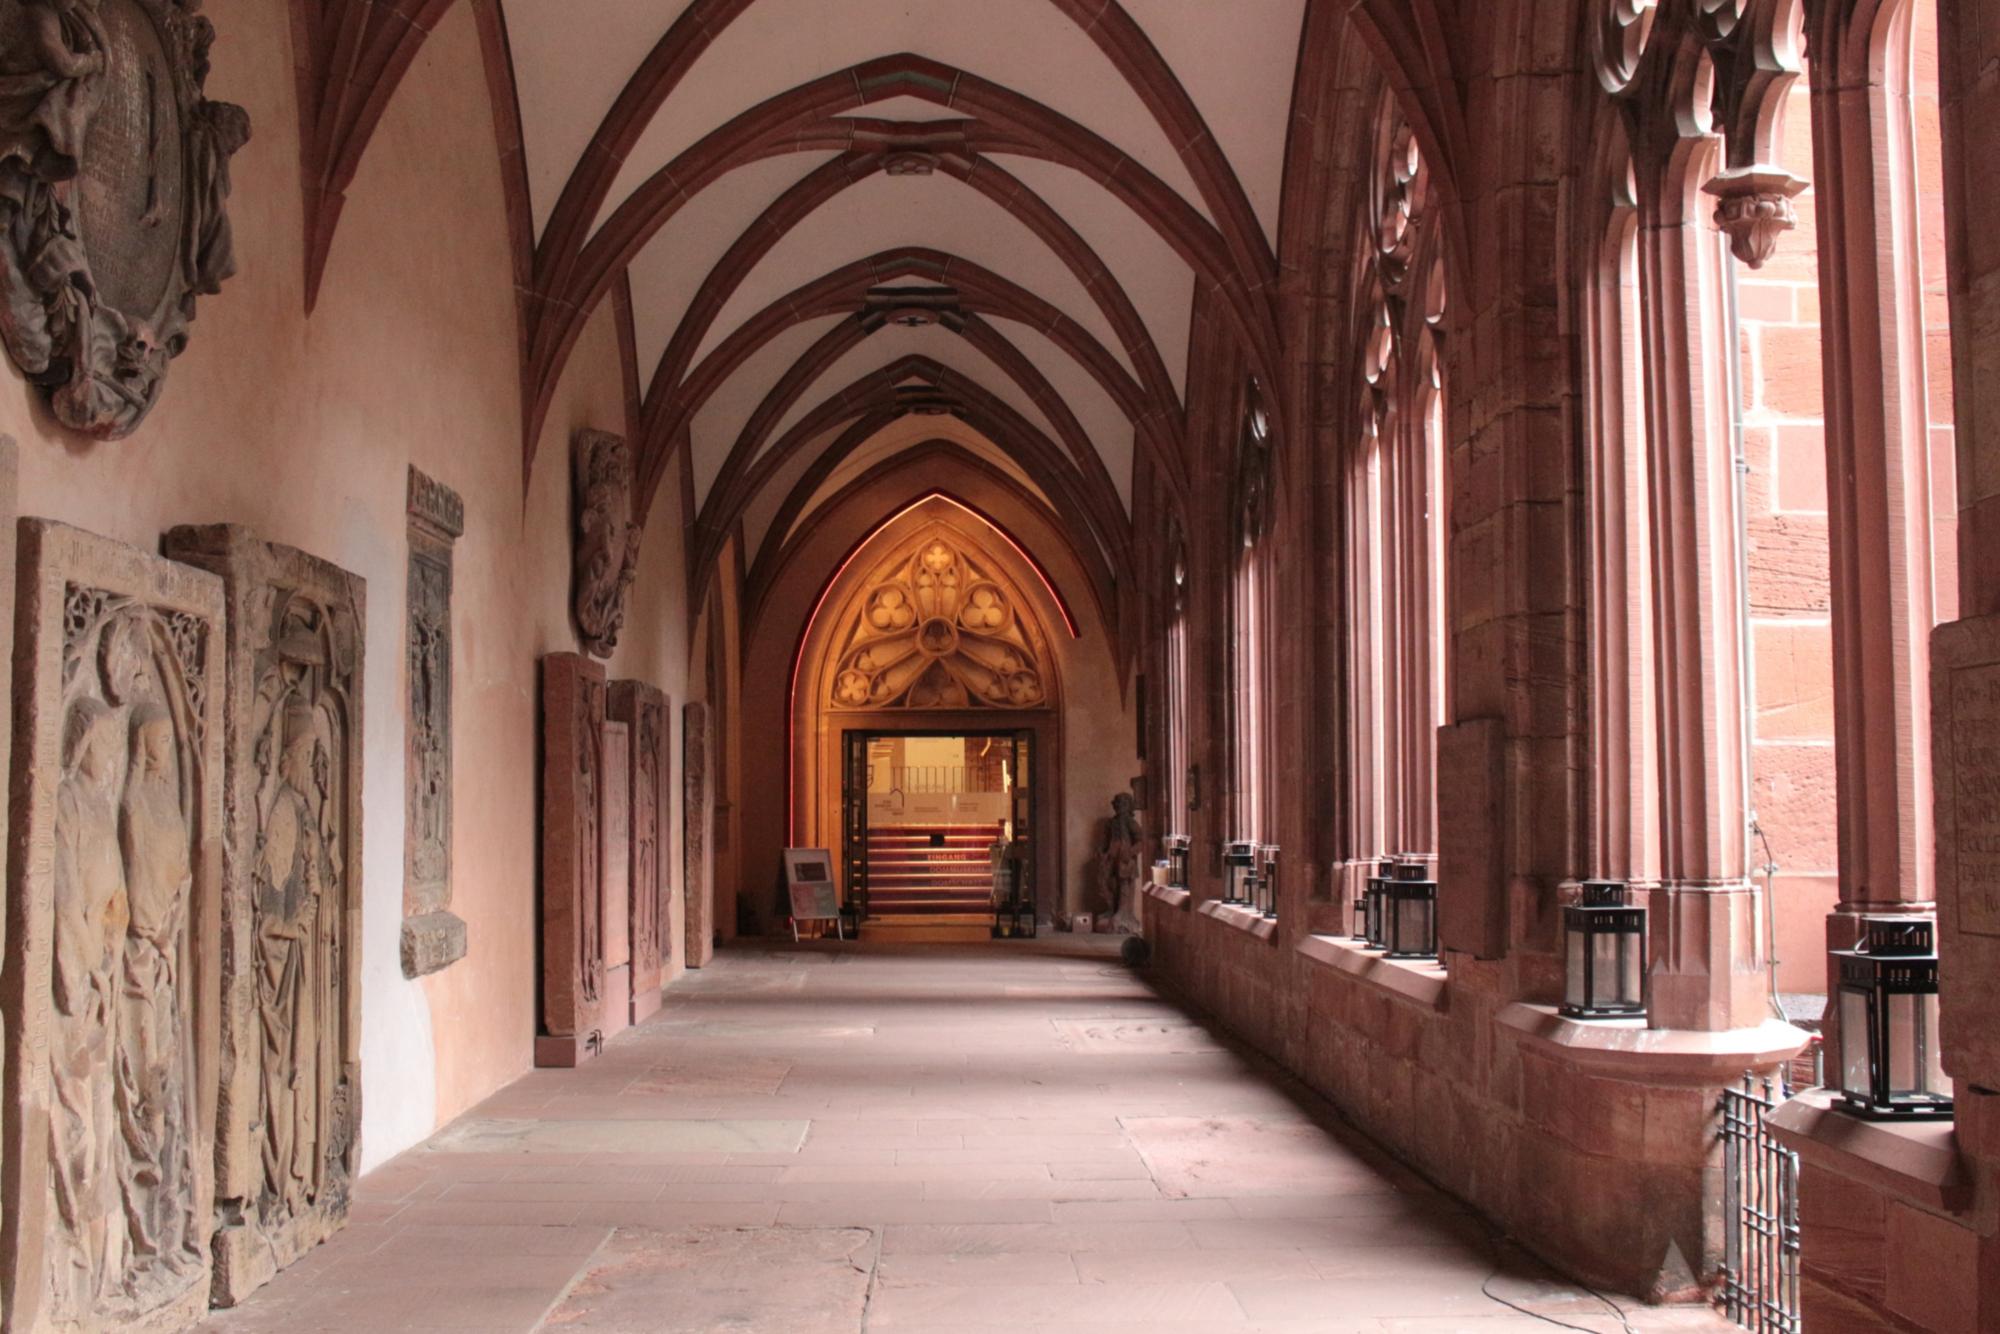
931, 823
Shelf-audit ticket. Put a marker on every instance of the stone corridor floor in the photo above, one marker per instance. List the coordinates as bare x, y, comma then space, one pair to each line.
1021, 1136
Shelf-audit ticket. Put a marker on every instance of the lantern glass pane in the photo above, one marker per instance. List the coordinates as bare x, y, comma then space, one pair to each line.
1930, 1061
1605, 947
1854, 1044
1575, 988
1905, 1044
1632, 968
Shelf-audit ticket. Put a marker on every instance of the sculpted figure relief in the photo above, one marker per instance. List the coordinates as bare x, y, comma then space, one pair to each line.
433, 936
109, 232
607, 538
290, 1062
108, 976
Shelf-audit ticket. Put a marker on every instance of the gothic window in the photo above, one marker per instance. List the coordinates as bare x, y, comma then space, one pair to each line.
1177, 781
1249, 687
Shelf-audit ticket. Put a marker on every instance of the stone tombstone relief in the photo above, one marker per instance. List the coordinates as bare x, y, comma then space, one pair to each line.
433, 937
607, 537
289, 1102
697, 815
110, 984
614, 809
1965, 741
1472, 882
114, 189
573, 925
643, 711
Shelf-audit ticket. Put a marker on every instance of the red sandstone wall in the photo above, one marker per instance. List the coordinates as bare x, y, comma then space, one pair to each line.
303, 430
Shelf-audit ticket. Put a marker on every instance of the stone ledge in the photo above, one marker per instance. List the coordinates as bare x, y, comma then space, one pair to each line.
1247, 920
1916, 1161
1167, 894
1413, 980
1628, 1049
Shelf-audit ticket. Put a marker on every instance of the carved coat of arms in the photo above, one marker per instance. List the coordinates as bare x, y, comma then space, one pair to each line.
114, 181
607, 538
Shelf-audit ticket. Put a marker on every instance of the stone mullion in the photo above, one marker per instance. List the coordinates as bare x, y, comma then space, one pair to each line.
1393, 646
1878, 468
1707, 959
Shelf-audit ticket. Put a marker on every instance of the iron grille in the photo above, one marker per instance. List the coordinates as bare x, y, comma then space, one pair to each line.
1760, 1271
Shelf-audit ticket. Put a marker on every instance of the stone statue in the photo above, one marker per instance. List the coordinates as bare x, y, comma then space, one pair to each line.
1120, 860
607, 538
114, 182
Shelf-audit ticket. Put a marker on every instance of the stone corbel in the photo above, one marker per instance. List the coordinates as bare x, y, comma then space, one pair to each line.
1753, 48
1753, 208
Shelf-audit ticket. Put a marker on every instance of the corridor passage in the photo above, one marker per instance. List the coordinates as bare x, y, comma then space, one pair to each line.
1020, 1136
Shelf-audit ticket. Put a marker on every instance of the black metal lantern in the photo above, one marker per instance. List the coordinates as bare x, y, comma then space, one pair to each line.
1890, 1065
1373, 903
1604, 944
1267, 881
1409, 913
1239, 869
1177, 861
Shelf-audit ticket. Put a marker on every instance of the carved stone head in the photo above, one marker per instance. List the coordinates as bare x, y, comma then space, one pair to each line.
607, 538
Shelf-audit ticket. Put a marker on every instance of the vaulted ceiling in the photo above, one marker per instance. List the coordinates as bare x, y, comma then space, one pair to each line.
834, 215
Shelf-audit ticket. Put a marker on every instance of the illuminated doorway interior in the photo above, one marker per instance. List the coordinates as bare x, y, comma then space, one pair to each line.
928, 817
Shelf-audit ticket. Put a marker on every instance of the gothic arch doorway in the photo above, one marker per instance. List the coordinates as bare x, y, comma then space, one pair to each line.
927, 725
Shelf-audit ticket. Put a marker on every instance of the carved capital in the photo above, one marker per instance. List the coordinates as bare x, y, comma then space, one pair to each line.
1754, 208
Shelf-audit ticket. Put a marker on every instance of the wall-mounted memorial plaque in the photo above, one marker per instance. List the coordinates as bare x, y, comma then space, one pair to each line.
607, 537
573, 925
433, 936
114, 186
111, 977
289, 1107
644, 711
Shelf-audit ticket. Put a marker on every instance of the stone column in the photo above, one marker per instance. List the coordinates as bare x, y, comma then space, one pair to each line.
1878, 467
1708, 967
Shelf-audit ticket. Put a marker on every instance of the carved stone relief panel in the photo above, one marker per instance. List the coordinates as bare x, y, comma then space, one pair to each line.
289, 1103
1965, 757
433, 937
110, 980
573, 918
114, 184
697, 815
935, 628
607, 537
643, 710
615, 811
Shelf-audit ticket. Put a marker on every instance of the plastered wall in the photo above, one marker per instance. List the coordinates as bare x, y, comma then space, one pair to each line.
302, 428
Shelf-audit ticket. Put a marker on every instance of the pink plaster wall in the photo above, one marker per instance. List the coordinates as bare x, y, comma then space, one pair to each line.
302, 429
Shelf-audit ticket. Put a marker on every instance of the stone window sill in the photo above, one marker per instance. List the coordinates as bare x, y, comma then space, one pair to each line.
1917, 1161
1628, 1049
1247, 920
1416, 980
1167, 894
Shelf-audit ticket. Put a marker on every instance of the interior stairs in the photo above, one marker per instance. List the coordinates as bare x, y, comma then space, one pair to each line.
930, 882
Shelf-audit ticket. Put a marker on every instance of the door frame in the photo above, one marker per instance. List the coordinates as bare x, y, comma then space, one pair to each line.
820, 810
